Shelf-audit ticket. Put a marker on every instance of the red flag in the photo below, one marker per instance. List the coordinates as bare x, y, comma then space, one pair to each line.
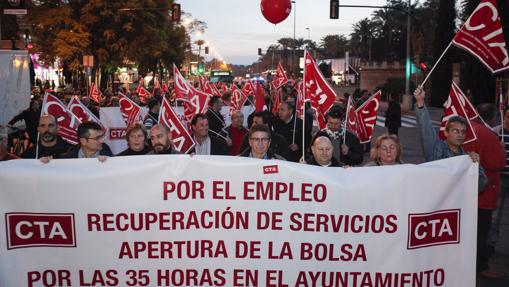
238, 99
67, 122
78, 109
131, 112
164, 88
458, 105
277, 100
182, 140
194, 101
95, 94
140, 85
156, 86
280, 79
316, 89
224, 88
352, 121
248, 89
260, 98
215, 90
483, 37
144, 94
156, 83
367, 114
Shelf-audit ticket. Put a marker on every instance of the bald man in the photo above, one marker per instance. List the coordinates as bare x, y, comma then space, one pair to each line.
321, 151
50, 144
160, 136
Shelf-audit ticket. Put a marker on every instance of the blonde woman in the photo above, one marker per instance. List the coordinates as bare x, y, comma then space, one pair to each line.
386, 151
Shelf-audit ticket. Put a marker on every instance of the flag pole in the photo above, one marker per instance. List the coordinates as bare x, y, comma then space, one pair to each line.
346, 121
501, 105
303, 107
436, 63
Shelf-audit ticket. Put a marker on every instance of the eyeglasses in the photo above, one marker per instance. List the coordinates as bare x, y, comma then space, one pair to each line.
258, 140
97, 138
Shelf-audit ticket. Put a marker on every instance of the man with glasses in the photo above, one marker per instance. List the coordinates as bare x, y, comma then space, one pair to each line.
90, 143
259, 142
455, 130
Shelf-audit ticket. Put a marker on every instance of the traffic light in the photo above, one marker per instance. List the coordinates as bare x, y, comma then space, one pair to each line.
206, 50
334, 9
201, 69
175, 12
259, 51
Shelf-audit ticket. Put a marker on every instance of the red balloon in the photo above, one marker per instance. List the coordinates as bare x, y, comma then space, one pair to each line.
275, 11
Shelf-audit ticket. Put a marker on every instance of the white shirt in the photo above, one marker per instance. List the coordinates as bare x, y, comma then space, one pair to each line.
203, 148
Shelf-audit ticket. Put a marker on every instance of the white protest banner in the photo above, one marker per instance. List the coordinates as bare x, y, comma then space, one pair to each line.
112, 118
175, 220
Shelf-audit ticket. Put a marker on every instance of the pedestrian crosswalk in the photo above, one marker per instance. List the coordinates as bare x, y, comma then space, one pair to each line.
407, 121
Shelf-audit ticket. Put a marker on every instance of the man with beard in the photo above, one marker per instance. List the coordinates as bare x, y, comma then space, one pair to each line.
160, 136
347, 147
49, 144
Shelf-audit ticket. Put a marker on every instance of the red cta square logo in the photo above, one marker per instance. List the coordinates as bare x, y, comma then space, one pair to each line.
268, 169
435, 228
117, 133
40, 229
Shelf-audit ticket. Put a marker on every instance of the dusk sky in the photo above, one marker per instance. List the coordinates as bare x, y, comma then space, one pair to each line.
237, 28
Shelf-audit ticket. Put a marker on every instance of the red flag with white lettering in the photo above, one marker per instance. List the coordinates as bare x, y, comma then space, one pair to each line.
248, 89
67, 122
238, 99
131, 112
280, 78
215, 90
457, 104
316, 89
352, 121
367, 114
482, 36
78, 109
144, 94
182, 140
195, 101
95, 94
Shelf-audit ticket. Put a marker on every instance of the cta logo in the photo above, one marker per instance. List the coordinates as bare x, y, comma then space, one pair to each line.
268, 169
40, 229
436, 228
117, 133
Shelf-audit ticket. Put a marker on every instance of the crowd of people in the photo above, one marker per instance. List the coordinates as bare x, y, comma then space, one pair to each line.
280, 135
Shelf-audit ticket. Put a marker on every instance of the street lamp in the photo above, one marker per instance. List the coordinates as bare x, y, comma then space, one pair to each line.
294, 25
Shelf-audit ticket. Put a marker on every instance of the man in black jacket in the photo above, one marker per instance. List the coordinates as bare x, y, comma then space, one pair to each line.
161, 139
50, 143
206, 144
90, 143
347, 148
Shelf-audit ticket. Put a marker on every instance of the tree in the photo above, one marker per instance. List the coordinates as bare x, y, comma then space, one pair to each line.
334, 46
445, 31
361, 38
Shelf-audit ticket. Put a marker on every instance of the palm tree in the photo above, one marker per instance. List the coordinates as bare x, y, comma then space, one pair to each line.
361, 38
